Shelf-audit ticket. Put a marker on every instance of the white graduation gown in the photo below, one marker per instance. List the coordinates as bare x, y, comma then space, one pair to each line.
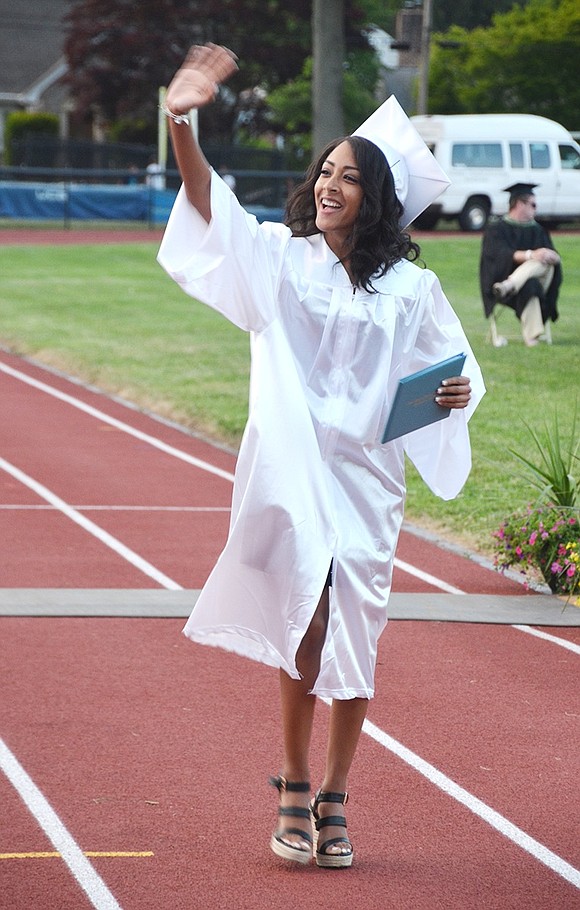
313, 482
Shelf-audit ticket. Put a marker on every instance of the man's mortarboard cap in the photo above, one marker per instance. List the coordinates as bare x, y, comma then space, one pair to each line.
520, 189
419, 180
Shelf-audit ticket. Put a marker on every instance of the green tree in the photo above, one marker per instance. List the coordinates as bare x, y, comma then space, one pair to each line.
119, 53
527, 61
468, 13
291, 104
23, 124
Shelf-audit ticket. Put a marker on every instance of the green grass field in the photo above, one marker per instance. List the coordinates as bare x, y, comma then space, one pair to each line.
109, 315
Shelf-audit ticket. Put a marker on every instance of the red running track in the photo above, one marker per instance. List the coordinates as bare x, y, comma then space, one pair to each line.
464, 793
170, 511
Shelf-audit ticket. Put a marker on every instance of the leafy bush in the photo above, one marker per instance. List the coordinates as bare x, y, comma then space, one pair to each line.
553, 477
545, 538
21, 124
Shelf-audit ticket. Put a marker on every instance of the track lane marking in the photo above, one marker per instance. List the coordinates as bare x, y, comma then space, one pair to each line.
475, 805
425, 576
118, 424
14, 507
106, 854
519, 837
184, 456
72, 855
564, 643
570, 645
125, 552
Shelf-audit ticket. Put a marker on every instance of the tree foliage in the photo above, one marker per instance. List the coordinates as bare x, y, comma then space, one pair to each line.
465, 13
119, 52
291, 108
468, 14
22, 124
526, 62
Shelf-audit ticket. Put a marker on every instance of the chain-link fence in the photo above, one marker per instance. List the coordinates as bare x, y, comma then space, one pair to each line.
261, 178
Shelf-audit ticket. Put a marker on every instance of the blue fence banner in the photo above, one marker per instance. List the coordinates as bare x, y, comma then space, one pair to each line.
63, 201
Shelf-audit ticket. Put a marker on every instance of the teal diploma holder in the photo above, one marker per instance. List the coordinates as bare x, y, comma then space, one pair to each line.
414, 404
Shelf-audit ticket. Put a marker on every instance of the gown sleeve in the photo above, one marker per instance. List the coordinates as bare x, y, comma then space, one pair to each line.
441, 452
496, 263
232, 264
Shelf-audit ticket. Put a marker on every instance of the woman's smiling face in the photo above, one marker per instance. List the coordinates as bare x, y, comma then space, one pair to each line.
338, 195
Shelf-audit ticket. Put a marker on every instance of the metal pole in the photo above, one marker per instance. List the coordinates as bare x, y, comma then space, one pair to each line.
423, 99
161, 130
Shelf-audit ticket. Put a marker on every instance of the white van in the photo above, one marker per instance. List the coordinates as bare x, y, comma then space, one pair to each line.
482, 154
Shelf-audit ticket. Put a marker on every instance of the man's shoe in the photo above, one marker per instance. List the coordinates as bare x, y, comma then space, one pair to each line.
501, 290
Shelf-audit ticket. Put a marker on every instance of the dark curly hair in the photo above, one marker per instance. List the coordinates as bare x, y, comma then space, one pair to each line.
377, 241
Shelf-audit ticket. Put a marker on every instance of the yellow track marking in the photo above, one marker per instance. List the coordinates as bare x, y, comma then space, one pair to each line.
91, 853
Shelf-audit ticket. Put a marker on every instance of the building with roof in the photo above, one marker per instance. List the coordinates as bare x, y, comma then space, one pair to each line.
31, 50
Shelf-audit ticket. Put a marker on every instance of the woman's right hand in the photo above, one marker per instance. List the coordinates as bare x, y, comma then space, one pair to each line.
196, 82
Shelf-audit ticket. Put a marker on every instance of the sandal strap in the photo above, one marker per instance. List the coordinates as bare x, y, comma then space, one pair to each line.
283, 785
297, 811
339, 821
328, 797
305, 835
330, 843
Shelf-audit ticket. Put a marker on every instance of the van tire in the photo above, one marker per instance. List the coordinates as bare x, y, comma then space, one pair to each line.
475, 214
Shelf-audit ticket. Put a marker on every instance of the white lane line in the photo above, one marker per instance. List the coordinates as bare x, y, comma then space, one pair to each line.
475, 805
519, 837
184, 456
63, 842
118, 424
88, 525
570, 645
450, 589
7, 507
425, 576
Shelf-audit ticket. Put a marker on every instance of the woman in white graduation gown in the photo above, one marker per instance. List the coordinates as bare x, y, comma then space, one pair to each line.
337, 314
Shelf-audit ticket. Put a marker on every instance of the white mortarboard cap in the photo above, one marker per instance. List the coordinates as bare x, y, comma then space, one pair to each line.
418, 178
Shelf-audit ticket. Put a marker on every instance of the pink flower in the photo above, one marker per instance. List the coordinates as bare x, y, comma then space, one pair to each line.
519, 551
533, 537
555, 568
571, 571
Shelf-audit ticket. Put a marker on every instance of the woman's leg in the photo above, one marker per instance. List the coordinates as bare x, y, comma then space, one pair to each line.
298, 717
346, 720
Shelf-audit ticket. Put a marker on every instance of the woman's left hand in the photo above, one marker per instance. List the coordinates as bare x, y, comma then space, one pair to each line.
454, 392
196, 83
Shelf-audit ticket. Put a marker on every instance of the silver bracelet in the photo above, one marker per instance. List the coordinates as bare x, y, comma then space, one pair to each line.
177, 118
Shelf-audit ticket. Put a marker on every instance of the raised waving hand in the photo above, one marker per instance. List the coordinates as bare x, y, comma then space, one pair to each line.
196, 82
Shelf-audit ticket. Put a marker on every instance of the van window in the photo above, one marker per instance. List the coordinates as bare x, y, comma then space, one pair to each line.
476, 154
569, 156
539, 155
516, 154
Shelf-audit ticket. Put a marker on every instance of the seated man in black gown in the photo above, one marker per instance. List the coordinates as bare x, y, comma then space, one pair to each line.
519, 266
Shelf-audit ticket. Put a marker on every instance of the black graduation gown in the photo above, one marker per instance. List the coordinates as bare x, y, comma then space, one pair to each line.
501, 238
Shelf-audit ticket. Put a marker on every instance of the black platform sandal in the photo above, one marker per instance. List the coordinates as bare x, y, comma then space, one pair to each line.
323, 858
278, 844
